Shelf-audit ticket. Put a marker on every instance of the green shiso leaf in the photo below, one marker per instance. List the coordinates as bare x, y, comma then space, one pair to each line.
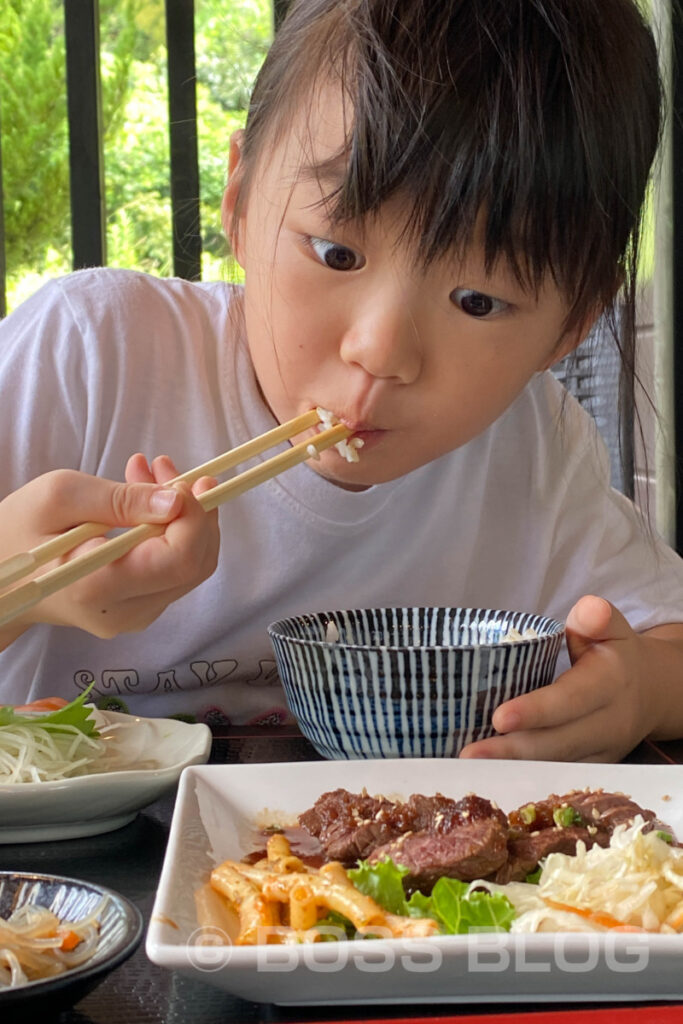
73, 714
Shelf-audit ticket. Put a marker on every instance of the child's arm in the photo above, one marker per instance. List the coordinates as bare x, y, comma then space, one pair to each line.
622, 687
133, 591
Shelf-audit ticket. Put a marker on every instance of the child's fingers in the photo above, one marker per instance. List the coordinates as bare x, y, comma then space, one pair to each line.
138, 471
131, 592
188, 550
181, 557
205, 483
584, 740
66, 498
140, 503
159, 471
590, 737
163, 469
572, 695
593, 620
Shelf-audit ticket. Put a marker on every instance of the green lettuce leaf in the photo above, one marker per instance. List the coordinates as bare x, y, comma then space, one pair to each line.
480, 911
449, 905
383, 882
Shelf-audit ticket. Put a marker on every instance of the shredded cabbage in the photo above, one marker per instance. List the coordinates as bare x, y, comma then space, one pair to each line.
636, 883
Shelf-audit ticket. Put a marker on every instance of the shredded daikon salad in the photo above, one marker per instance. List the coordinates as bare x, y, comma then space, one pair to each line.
347, 448
40, 755
35, 944
634, 884
61, 744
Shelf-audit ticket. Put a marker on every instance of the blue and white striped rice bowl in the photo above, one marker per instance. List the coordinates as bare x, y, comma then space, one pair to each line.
408, 682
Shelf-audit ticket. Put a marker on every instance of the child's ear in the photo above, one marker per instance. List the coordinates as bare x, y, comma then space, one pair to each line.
232, 223
571, 340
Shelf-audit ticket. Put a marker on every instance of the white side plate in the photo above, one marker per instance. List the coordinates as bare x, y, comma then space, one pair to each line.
215, 814
91, 804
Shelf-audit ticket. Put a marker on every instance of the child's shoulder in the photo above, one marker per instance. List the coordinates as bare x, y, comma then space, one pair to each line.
547, 425
134, 292
547, 403
91, 313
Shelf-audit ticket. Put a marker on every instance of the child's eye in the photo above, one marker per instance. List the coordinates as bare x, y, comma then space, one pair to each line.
335, 256
476, 303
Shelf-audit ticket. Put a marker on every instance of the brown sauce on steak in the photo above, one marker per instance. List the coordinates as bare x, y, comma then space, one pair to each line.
468, 838
302, 844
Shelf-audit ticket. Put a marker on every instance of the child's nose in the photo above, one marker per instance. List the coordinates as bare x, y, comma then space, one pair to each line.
386, 343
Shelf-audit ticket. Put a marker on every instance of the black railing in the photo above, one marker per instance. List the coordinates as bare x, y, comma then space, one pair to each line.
85, 133
677, 257
84, 107
88, 214
182, 108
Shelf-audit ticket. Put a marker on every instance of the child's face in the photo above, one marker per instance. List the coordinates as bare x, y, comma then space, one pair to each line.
416, 361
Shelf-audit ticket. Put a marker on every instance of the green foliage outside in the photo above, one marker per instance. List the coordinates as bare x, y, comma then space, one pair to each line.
232, 37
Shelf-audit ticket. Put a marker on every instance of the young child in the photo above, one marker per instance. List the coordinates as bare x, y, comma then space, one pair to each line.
432, 204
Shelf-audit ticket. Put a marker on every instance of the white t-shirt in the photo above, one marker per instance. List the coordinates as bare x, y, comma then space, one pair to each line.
104, 363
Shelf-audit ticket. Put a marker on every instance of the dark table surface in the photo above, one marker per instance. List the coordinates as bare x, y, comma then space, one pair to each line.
139, 992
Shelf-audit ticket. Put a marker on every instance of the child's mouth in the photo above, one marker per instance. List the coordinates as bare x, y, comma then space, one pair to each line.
348, 448
369, 436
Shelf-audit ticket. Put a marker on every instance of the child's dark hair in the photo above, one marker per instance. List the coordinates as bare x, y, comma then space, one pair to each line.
541, 117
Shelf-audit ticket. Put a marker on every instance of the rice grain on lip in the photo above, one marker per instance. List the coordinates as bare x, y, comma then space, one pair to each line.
347, 448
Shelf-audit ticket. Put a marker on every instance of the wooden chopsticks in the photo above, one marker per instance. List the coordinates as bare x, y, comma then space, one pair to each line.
24, 596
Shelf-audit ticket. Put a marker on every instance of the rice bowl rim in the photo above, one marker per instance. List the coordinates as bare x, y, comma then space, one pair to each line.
554, 629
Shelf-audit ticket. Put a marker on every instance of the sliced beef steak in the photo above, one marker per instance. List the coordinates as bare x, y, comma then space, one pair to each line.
606, 810
431, 836
441, 814
595, 808
524, 851
465, 851
350, 825
469, 838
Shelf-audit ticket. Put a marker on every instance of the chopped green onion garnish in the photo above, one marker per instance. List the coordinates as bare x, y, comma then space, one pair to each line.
528, 814
566, 816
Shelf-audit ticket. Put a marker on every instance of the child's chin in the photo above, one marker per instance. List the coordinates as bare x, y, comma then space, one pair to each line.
351, 476
342, 474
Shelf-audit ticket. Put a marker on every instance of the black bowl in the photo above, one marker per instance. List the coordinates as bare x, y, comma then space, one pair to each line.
121, 928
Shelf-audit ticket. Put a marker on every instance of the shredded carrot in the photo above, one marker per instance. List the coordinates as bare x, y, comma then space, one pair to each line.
44, 704
605, 920
677, 923
629, 928
70, 941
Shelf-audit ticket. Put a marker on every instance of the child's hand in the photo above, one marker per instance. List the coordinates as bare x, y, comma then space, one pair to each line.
133, 591
604, 705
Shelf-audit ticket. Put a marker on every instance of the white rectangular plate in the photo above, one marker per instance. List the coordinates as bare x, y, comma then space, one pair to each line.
215, 814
